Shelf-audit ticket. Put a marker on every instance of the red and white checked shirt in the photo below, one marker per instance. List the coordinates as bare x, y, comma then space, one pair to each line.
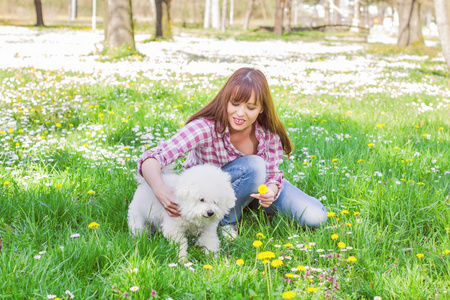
205, 146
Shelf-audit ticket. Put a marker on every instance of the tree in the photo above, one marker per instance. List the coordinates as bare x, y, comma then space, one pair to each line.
207, 18
215, 14
163, 27
288, 16
410, 27
224, 15
119, 26
248, 14
442, 8
39, 17
279, 12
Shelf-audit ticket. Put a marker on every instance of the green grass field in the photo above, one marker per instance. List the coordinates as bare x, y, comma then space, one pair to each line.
377, 155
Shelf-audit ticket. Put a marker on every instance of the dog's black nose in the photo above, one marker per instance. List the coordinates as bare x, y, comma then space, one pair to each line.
210, 213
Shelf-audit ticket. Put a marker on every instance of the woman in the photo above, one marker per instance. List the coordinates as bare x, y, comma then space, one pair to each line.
239, 131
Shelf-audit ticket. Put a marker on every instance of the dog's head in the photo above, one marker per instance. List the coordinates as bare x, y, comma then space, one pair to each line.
204, 192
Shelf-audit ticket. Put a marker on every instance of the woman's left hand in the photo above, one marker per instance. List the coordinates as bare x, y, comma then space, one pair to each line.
265, 200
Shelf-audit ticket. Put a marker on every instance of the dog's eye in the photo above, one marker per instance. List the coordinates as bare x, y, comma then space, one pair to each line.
202, 200
215, 202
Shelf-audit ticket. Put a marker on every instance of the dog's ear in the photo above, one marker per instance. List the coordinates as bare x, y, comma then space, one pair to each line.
185, 189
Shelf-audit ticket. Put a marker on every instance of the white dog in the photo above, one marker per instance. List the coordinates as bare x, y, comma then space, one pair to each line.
204, 195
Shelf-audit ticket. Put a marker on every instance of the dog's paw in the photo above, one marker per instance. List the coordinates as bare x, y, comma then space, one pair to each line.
183, 260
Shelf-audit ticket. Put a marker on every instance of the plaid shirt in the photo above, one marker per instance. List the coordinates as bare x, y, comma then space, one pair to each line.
205, 146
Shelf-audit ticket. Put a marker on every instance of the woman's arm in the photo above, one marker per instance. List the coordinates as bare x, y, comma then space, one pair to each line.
151, 170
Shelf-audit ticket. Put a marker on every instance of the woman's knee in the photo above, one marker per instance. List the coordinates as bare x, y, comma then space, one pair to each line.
256, 167
315, 216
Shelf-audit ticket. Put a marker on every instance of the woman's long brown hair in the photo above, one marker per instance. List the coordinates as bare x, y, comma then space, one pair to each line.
239, 88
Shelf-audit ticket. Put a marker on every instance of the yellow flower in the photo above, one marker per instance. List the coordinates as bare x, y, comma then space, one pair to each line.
265, 255
334, 236
260, 235
11, 130
208, 267
257, 244
334, 160
331, 214
419, 255
341, 245
446, 252
276, 263
240, 262
348, 224
288, 295
94, 225
301, 268
359, 161
287, 245
344, 212
90, 192
312, 290
381, 125
351, 259
356, 214
289, 275
371, 145
6, 183
262, 189
59, 185
58, 125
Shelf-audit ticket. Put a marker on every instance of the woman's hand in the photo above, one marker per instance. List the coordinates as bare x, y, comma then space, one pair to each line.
265, 200
165, 196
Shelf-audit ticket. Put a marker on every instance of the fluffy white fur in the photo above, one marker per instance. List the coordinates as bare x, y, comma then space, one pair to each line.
204, 195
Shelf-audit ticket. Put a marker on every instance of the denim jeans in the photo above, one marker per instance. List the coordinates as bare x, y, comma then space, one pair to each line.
248, 173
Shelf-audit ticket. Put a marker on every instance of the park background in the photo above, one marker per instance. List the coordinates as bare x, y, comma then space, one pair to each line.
368, 116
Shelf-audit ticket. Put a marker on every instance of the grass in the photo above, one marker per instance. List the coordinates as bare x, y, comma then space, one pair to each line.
373, 154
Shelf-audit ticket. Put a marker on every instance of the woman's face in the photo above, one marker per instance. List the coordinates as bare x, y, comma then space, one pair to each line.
241, 116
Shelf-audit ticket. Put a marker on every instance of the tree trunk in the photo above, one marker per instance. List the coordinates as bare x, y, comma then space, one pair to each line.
356, 22
119, 31
279, 12
207, 18
163, 27
288, 16
215, 14
224, 15
231, 12
248, 14
39, 17
442, 8
410, 27
327, 17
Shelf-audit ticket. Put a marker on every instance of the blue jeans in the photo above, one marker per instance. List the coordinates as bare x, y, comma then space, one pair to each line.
248, 173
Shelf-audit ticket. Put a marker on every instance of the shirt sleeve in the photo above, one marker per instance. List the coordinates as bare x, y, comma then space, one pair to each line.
191, 136
274, 154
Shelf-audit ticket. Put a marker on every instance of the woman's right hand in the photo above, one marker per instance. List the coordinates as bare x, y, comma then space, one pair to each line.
165, 195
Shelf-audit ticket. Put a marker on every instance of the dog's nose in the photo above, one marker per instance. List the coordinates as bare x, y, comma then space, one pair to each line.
210, 213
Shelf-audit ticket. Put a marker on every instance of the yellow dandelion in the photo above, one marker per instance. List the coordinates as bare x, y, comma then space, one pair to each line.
289, 275
381, 125
288, 295
11, 130
257, 244
334, 160
446, 252
58, 125
344, 212
287, 245
331, 214
312, 289
356, 214
59, 185
94, 225
370, 145
419, 255
334, 236
262, 189
301, 268
348, 224
351, 259
359, 161
260, 235
276, 263
417, 126
265, 255
341, 245
6, 183
208, 267
90, 192
240, 262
